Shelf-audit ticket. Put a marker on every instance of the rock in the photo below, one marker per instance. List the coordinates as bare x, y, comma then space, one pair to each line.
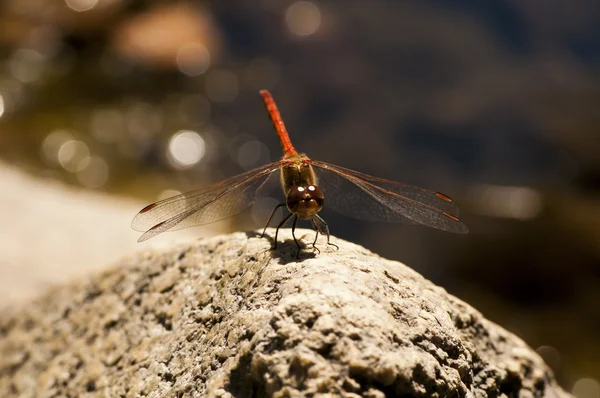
226, 317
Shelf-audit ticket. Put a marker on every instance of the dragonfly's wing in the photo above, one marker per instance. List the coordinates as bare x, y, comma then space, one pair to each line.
205, 205
364, 197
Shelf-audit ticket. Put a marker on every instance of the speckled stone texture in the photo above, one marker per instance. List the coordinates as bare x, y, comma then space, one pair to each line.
227, 317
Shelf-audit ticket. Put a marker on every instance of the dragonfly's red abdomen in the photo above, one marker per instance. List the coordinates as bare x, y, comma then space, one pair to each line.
284, 137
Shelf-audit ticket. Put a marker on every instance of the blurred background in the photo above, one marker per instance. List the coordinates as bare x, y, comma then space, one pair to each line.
108, 105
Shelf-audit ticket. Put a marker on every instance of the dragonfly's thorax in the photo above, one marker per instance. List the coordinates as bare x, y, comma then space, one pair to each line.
297, 173
299, 183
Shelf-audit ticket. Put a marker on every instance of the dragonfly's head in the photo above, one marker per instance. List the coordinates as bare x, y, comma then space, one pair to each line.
305, 201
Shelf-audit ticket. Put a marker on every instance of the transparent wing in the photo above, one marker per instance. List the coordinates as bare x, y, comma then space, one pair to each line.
205, 205
364, 197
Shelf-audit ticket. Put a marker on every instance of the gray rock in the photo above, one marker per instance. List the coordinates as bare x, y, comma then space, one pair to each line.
227, 317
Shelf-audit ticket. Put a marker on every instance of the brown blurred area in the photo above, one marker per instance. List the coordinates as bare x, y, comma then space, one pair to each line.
494, 103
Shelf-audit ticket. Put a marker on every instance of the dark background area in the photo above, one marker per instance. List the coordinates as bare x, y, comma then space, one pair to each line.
494, 103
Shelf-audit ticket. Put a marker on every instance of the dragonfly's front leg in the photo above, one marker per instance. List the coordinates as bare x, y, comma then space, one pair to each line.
279, 226
294, 235
270, 218
314, 244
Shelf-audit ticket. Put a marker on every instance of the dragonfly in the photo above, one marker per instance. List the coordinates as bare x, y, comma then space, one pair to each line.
307, 185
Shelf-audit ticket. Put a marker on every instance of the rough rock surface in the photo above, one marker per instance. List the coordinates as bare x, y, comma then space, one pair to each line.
227, 317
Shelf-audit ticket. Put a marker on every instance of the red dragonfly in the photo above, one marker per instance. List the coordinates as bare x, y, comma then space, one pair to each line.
305, 183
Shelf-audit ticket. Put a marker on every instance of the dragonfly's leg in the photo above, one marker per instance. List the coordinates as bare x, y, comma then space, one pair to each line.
270, 217
326, 228
294, 235
279, 226
316, 236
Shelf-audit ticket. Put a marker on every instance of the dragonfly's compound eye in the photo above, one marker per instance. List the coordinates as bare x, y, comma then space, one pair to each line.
305, 201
